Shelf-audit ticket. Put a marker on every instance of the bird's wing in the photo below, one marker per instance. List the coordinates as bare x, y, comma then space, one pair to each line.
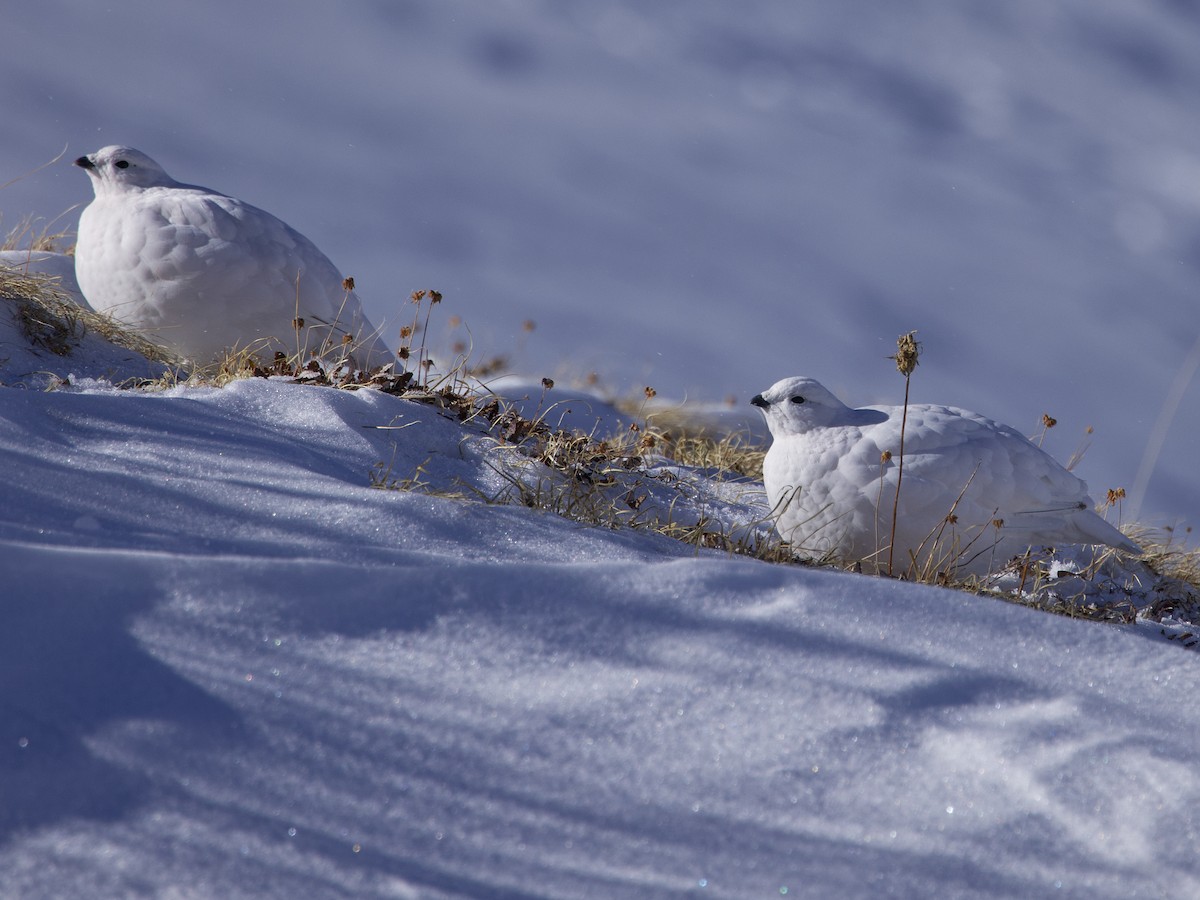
241, 249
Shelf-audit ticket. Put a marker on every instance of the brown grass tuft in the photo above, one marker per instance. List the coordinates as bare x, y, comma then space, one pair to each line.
53, 321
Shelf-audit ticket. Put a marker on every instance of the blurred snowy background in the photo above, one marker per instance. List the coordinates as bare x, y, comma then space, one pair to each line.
699, 196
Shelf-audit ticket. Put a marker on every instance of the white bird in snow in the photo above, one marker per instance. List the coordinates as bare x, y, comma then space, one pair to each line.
202, 272
974, 493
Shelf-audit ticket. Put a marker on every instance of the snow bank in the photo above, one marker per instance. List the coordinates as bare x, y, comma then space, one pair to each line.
232, 668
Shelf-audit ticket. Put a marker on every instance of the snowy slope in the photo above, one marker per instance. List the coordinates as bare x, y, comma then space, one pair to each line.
231, 668
700, 196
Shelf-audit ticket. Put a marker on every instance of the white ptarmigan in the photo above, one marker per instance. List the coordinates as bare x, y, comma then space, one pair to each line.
974, 493
202, 272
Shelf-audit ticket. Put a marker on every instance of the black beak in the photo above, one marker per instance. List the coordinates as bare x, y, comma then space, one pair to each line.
758, 401
84, 163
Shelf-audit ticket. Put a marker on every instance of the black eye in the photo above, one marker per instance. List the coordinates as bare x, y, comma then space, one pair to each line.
122, 164
797, 399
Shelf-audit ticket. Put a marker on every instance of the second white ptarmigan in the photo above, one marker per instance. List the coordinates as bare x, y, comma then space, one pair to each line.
202, 272
974, 493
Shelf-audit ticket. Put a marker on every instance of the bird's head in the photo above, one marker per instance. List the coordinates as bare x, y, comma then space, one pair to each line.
799, 405
117, 168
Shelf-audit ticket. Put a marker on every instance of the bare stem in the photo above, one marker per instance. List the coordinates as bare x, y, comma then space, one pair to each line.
899, 474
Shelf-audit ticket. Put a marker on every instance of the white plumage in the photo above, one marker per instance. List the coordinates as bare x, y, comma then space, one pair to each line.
202, 272
974, 493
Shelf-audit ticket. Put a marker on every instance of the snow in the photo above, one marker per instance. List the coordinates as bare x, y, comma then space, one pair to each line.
229, 667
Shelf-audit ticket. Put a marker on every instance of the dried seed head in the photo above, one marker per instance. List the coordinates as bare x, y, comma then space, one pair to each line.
908, 351
348, 283
1048, 420
427, 363
1115, 495
297, 323
347, 339
435, 296
651, 392
548, 383
403, 353
885, 456
417, 296
406, 332
952, 519
997, 524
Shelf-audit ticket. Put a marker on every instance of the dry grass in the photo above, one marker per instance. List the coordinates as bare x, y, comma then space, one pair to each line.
51, 320
1178, 568
724, 456
1166, 554
35, 236
600, 481
327, 364
609, 483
